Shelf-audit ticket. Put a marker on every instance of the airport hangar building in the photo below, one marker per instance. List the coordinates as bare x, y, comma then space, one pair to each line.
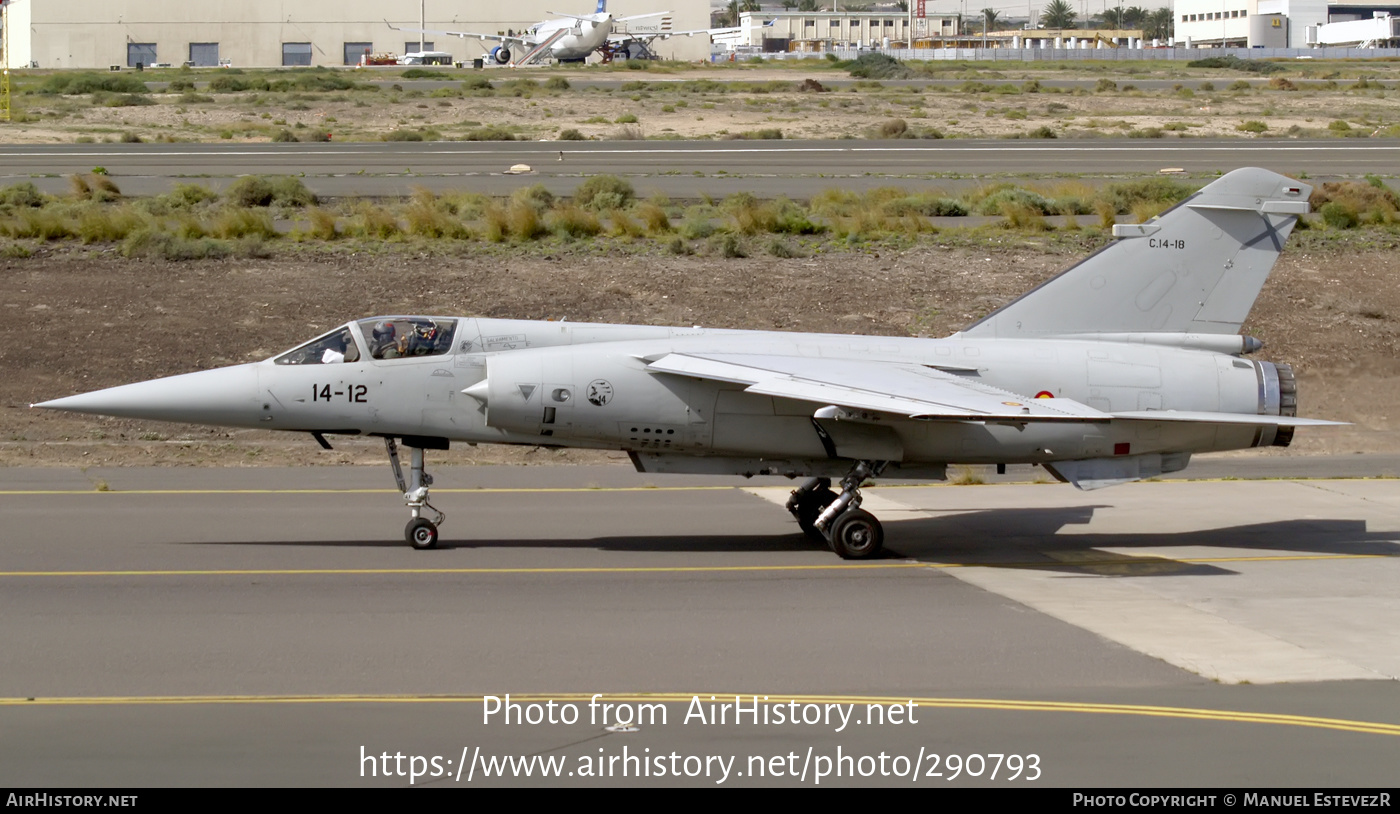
97, 34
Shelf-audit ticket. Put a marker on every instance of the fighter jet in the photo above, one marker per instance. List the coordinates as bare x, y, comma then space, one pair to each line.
1118, 369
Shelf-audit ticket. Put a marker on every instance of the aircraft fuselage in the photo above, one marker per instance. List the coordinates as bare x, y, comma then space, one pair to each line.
577, 384
583, 38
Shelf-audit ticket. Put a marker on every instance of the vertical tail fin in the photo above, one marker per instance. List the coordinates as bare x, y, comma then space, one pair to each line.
1195, 269
602, 7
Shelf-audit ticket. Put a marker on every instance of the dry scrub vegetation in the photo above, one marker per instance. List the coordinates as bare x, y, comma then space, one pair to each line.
255, 216
795, 99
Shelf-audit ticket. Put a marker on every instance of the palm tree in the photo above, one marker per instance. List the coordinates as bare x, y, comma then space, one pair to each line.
1134, 17
750, 5
729, 16
789, 4
807, 5
989, 20
1058, 14
1159, 24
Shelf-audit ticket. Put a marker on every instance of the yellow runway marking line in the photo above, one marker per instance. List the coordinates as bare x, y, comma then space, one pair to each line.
488, 490
1008, 705
846, 568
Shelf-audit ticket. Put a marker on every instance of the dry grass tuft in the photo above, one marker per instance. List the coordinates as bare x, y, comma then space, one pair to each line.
373, 222
525, 221
234, 222
623, 225
569, 220
324, 224
427, 216
101, 224
654, 216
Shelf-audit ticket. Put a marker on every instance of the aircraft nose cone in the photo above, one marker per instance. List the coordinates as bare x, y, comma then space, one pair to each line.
227, 396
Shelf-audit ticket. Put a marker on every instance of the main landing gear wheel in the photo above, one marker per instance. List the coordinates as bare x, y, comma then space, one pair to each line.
421, 533
857, 535
853, 533
808, 502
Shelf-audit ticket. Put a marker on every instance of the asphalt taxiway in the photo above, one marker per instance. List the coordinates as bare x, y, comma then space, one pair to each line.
678, 169
206, 627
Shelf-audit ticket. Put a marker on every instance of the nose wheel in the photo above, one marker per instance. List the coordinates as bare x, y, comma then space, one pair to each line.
421, 533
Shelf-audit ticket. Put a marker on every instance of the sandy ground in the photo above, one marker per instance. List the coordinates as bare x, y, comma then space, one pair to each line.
78, 319
993, 103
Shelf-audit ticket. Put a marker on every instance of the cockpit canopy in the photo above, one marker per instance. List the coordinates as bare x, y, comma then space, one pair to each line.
381, 338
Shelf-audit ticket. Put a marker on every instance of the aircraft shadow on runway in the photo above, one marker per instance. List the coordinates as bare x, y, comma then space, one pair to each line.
1020, 538
1034, 538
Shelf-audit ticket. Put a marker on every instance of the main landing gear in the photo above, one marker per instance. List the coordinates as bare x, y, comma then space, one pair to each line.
421, 533
852, 533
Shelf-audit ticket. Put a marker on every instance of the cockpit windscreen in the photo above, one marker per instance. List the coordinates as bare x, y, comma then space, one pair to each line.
336, 346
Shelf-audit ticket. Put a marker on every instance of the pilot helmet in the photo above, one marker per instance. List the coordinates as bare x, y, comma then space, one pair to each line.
426, 330
383, 331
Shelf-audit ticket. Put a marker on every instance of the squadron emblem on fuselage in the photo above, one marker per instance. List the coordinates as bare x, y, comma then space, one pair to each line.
600, 392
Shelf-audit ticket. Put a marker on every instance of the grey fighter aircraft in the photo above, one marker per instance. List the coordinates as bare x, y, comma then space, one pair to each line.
1118, 369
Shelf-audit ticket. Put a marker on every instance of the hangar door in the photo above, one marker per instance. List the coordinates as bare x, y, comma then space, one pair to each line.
204, 54
355, 50
296, 53
140, 53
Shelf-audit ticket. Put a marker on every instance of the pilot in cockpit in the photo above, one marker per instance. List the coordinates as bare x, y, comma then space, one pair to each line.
421, 341
384, 341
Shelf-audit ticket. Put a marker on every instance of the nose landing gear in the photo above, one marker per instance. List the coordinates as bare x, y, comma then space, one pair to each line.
421, 533
854, 534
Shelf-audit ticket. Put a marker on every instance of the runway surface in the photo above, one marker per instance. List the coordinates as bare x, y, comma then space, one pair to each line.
203, 627
677, 169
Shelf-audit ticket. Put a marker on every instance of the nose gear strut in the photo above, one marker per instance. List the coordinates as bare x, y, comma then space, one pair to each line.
421, 533
852, 533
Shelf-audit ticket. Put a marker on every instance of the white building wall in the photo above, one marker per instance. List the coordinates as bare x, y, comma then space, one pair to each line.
250, 33
862, 28
1208, 21
1303, 13
17, 15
